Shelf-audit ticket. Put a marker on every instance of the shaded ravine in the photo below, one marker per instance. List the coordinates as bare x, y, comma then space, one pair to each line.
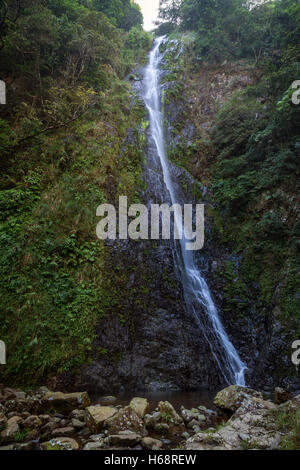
198, 298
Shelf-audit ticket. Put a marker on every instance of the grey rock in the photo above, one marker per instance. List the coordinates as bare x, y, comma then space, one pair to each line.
75, 423
251, 426
124, 439
97, 437
151, 444
78, 414
99, 445
193, 423
63, 432
231, 398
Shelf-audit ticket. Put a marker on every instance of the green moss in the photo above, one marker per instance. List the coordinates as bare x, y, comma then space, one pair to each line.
21, 435
160, 428
166, 417
235, 291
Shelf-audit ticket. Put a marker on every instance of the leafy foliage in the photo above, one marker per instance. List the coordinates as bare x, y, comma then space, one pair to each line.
236, 28
64, 150
125, 14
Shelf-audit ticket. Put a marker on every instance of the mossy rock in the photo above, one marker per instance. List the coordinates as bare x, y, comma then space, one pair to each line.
230, 399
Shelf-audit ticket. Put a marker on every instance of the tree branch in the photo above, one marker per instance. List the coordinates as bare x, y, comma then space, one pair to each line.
54, 127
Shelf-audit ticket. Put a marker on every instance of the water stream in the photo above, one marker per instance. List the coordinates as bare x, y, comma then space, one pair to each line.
197, 294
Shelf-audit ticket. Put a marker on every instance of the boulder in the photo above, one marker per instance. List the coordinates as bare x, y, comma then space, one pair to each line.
151, 444
281, 396
60, 443
32, 422
188, 415
230, 399
97, 437
84, 433
99, 445
125, 438
48, 427
96, 416
78, 414
126, 420
65, 402
151, 420
168, 414
193, 416
12, 427
29, 405
77, 424
252, 426
201, 418
44, 419
140, 406
63, 432
193, 423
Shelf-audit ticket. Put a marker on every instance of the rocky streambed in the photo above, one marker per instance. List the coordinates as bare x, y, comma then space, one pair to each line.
242, 419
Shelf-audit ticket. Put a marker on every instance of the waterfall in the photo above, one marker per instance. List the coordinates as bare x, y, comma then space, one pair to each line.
197, 294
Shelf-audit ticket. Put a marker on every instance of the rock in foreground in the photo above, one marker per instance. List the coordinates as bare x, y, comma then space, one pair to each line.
255, 425
230, 399
140, 406
97, 415
65, 402
61, 443
125, 438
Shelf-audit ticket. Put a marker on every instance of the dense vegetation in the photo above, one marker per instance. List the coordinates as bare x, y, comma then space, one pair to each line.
62, 133
254, 172
237, 28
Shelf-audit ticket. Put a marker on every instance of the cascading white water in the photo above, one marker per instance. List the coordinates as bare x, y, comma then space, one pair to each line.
197, 294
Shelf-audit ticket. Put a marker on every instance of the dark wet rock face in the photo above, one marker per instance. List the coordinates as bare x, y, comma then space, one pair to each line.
149, 340
158, 347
